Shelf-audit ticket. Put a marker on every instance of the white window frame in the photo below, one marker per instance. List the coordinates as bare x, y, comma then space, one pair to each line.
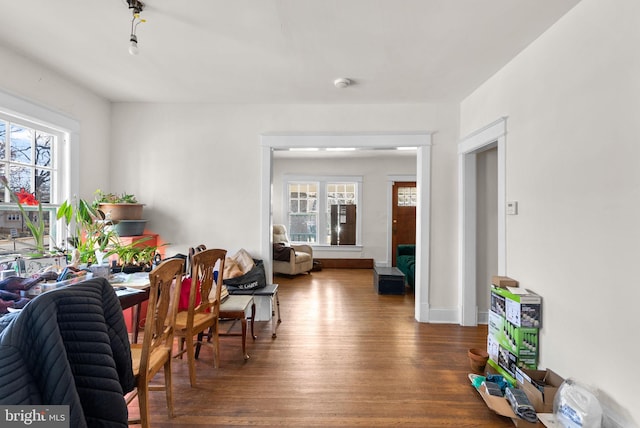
322, 181
66, 154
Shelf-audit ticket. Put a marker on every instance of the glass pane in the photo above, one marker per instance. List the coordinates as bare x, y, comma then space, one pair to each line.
3, 191
302, 228
3, 139
293, 206
407, 196
43, 185
303, 206
21, 139
20, 178
43, 149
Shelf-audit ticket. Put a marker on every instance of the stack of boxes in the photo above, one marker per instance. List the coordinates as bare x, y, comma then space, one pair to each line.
514, 322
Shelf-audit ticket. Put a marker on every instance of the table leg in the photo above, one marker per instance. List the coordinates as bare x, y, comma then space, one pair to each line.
273, 321
135, 321
253, 317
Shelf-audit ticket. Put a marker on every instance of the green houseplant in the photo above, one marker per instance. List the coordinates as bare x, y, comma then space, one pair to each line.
117, 207
92, 232
133, 256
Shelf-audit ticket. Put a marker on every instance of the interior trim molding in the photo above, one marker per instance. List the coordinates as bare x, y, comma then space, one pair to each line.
485, 138
421, 140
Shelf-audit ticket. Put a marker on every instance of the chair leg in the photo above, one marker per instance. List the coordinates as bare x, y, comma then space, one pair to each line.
191, 360
181, 348
216, 344
199, 344
168, 386
143, 404
244, 337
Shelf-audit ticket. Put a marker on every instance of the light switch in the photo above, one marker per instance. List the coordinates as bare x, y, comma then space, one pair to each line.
512, 207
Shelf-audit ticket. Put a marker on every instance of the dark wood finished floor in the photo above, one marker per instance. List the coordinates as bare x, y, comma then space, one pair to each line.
344, 357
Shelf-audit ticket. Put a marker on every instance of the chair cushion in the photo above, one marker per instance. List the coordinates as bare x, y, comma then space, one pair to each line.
302, 257
236, 303
199, 320
158, 357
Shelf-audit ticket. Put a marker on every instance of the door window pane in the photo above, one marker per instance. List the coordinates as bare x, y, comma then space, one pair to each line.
407, 196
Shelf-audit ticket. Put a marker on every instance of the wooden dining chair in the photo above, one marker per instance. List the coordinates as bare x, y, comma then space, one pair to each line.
155, 351
204, 307
231, 308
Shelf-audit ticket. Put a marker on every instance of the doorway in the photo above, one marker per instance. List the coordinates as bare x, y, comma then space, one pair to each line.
403, 215
420, 140
487, 138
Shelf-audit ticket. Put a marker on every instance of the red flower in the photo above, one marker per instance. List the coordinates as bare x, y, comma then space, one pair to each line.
26, 198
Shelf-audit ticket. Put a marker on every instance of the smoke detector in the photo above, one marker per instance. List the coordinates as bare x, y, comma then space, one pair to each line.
342, 82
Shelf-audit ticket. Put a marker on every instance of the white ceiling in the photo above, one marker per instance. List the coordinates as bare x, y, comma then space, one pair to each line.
278, 51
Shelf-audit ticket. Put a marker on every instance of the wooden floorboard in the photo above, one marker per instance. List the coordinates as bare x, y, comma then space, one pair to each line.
344, 356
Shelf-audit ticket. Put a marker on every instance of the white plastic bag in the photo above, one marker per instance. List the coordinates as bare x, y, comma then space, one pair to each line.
576, 407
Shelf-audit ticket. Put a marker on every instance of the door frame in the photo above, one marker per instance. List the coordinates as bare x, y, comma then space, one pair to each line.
488, 137
421, 140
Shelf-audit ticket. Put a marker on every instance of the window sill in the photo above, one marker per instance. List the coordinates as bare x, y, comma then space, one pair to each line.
320, 248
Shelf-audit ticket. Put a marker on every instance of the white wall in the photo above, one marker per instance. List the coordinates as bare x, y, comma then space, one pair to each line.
373, 212
32, 82
573, 98
197, 167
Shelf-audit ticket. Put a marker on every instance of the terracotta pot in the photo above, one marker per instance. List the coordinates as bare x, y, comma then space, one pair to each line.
116, 212
478, 359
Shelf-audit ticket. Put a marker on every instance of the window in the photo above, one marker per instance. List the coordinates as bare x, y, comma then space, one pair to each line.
28, 159
407, 197
323, 210
303, 212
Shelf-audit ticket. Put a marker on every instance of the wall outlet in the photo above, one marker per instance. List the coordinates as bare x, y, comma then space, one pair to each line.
512, 207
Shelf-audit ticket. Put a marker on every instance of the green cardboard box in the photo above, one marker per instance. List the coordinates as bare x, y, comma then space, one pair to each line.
522, 307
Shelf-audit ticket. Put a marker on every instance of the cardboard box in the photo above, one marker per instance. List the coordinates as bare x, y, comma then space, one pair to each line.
522, 307
521, 341
540, 386
501, 406
498, 305
510, 361
503, 281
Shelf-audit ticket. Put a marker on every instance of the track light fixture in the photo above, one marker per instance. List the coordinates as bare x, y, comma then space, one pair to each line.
136, 7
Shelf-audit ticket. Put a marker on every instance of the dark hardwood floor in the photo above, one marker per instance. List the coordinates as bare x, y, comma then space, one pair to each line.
344, 356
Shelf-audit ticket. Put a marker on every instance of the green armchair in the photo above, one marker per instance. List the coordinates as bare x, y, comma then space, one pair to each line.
406, 261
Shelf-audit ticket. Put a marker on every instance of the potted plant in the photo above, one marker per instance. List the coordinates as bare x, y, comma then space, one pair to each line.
134, 257
123, 210
93, 233
116, 207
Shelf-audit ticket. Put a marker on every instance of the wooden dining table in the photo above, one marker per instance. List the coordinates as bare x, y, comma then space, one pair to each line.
132, 294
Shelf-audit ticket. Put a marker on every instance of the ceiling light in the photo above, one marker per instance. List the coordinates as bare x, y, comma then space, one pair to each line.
136, 6
133, 46
303, 149
341, 149
342, 82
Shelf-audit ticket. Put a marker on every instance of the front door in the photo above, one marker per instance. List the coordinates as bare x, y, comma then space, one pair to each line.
403, 229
